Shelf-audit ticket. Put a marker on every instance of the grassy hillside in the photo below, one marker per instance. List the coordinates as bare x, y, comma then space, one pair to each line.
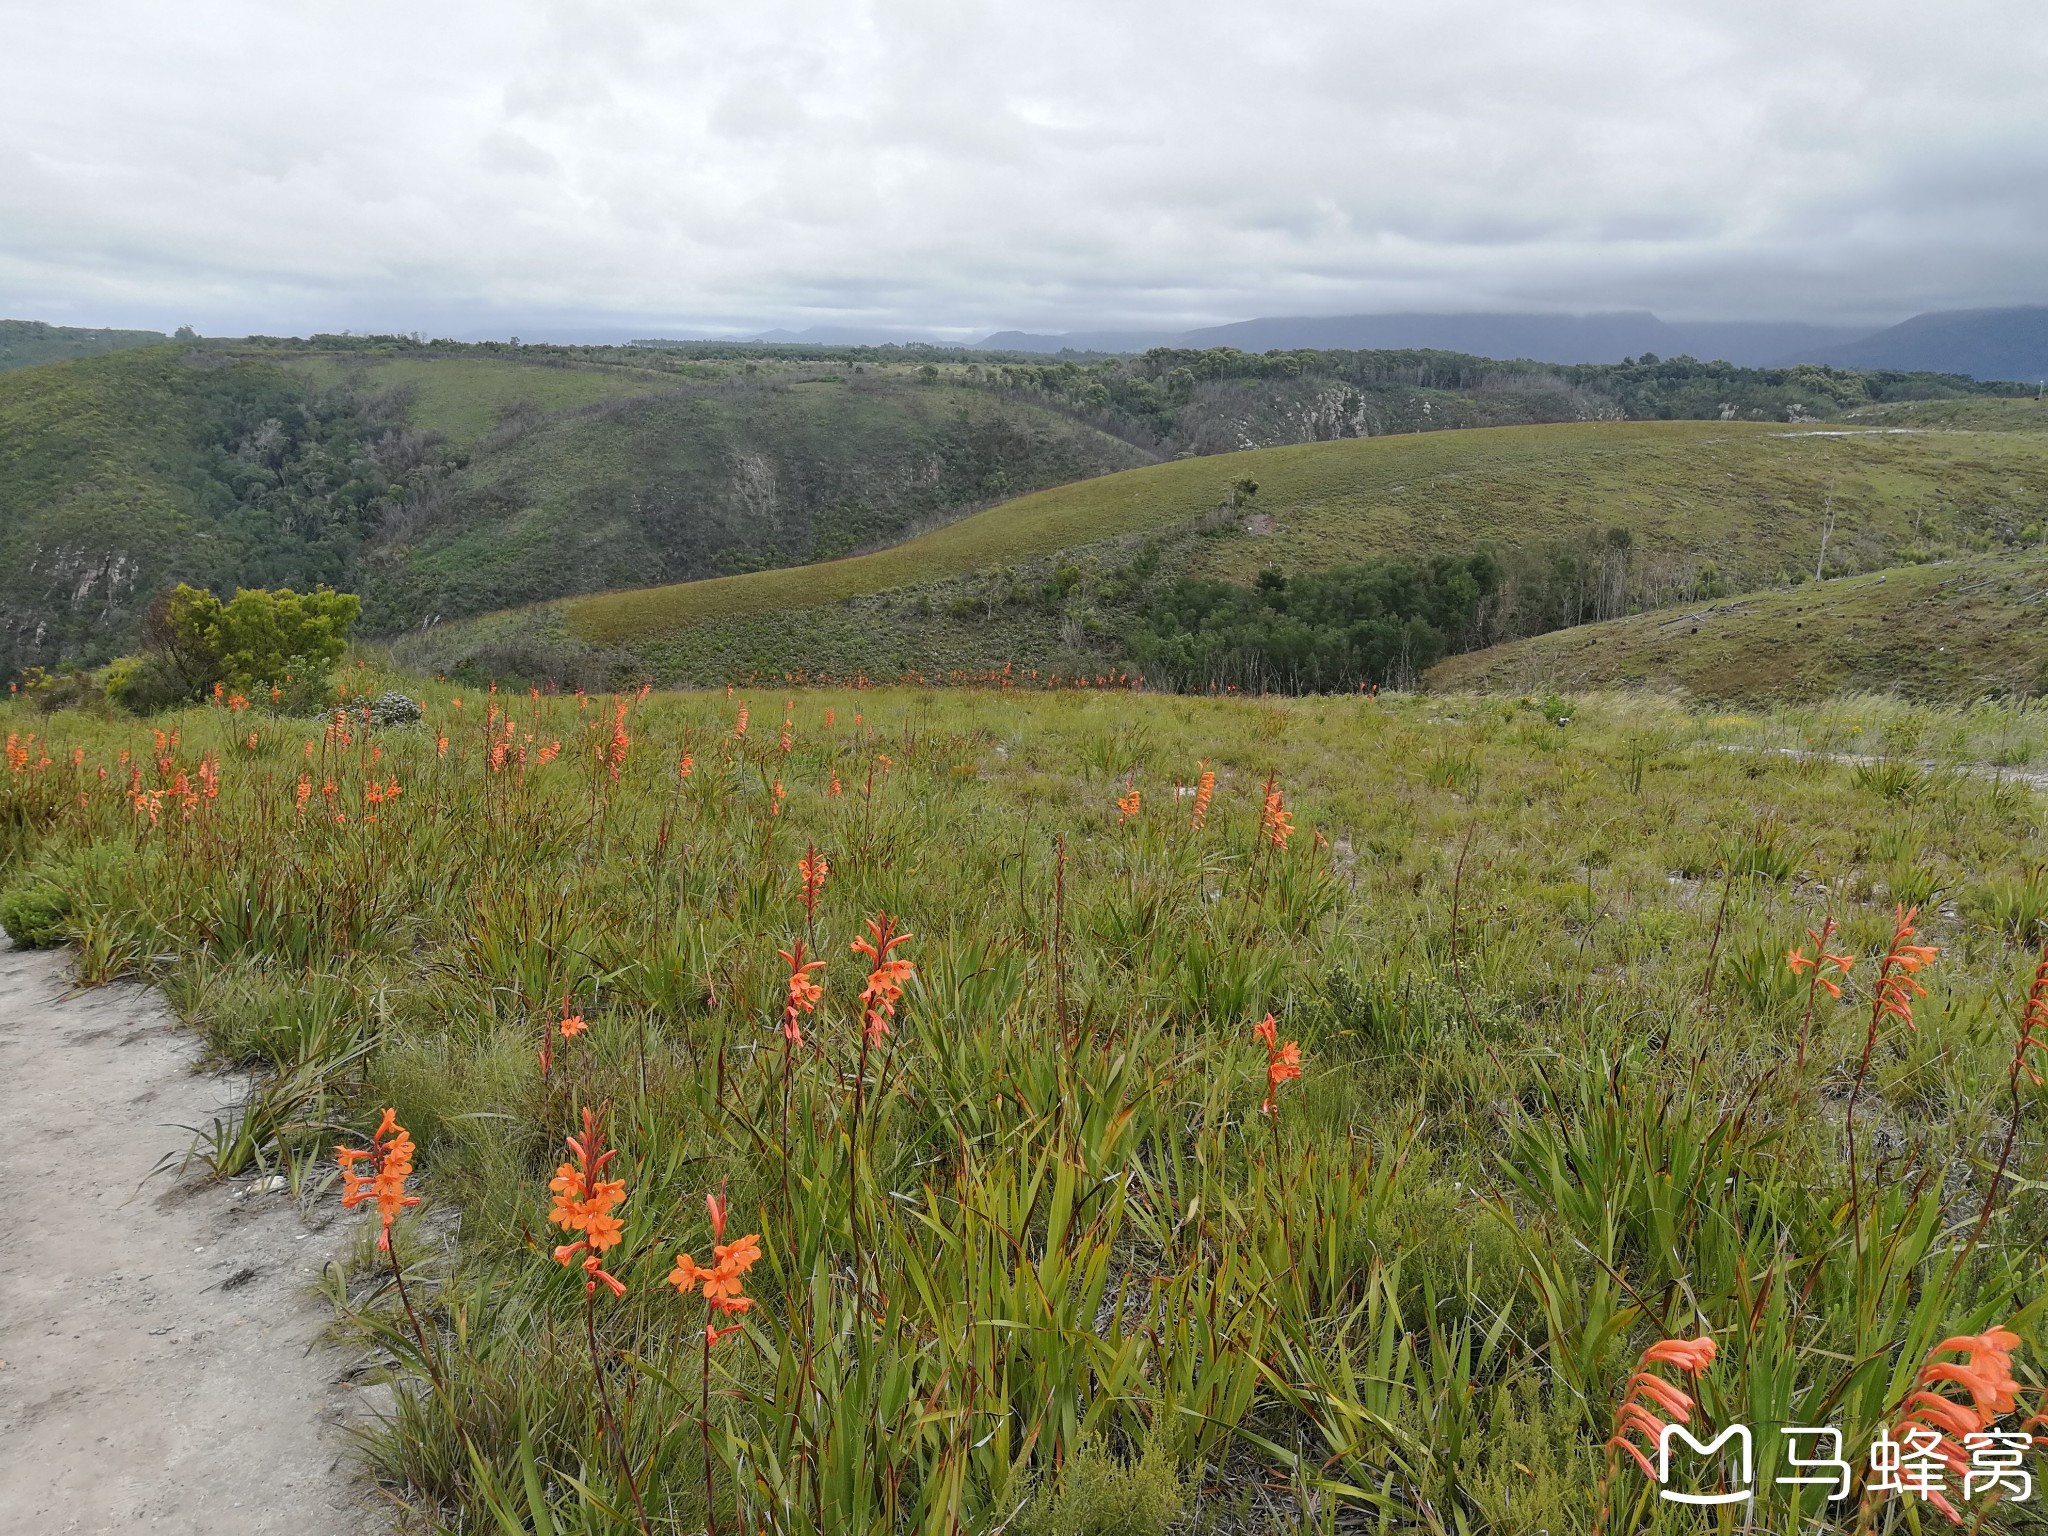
28, 343
729, 475
464, 396
125, 473
451, 481
443, 481
1706, 507
1959, 629
1050, 1246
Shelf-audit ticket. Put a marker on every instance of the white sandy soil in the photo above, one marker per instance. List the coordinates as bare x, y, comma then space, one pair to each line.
160, 1369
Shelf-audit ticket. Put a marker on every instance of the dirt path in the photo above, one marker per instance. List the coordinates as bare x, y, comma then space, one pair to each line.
156, 1362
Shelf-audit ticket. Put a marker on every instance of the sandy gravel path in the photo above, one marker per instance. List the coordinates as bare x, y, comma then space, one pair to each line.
157, 1363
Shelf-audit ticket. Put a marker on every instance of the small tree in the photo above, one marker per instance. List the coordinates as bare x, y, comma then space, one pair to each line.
259, 639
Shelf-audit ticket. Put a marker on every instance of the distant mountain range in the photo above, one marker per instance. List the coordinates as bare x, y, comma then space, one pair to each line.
1597, 338
1994, 344
1983, 343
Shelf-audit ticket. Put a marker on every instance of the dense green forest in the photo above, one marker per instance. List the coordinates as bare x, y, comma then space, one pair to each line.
1386, 621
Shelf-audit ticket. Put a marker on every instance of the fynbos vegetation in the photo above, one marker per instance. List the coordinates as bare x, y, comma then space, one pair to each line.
1074, 1113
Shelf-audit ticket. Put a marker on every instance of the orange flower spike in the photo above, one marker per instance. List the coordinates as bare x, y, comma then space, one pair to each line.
2033, 1036
886, 975
813, 870
1275, 822
1896, 987
390, 1155
803, 992
1204, 790
1632, 1418
583, 1204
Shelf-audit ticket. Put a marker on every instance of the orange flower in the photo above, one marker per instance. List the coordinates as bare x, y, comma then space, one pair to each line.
739, 726
1204, 790
723, 1282
572, 1024
1821, 962
803, 992
390, 1158
1283, 1062
1632, 1417
2033, 1039
812, 870
584, 1202
1274, 821
1127, 805
620, 744
1985, 1374
886, 975
1896, 987
686, 767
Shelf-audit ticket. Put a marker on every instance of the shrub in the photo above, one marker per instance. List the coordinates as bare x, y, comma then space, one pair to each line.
1099, 1495
193, 642
34, 913
394, 708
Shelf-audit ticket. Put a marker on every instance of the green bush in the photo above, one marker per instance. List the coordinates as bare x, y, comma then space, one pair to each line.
193, 643
1100, 1495
33, 913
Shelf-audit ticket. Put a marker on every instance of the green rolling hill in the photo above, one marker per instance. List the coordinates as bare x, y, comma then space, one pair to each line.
447, 481
712, 502
1661, 512
28, 343
1954, 630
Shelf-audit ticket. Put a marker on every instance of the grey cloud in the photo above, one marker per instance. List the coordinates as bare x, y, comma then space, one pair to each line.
1042, 165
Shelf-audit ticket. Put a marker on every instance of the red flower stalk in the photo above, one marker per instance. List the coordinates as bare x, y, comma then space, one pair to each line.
584, 1202
1985, 1374
1648, 1393
1283, 1062
886, 975
1275, 824
803, 994
390, 1158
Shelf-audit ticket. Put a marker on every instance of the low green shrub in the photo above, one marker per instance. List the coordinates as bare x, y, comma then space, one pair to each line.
34, 912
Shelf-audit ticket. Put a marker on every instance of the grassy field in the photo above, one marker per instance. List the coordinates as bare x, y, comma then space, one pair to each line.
1057, 1251
1954, 630
466, 397
1705, 505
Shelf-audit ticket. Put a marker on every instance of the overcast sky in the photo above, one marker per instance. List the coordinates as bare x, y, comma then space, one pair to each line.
456, 166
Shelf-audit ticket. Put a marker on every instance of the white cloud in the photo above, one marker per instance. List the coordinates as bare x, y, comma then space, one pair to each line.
1046, 164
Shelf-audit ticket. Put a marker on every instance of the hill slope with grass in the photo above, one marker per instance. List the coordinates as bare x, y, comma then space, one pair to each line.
28, 343
1630, 514
444, 482
1958, 629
